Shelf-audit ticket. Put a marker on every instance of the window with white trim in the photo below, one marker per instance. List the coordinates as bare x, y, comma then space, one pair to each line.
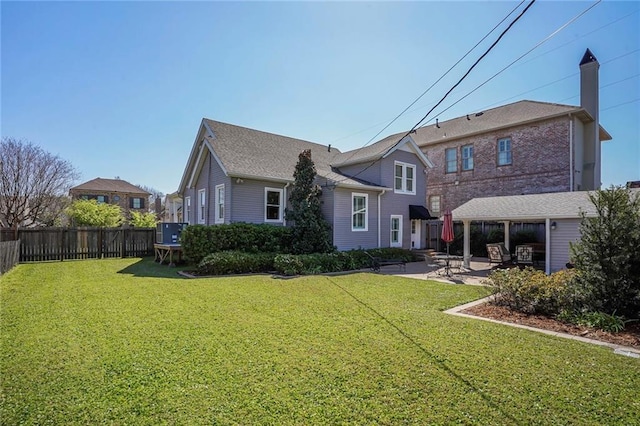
359, 216
404, 178
504, 151
202, 204
187, 209
451, 160
396, 231
219, 203
467, 157
434, 205
273, 204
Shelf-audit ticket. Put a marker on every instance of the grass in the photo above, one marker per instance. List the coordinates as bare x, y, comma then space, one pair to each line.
129, 342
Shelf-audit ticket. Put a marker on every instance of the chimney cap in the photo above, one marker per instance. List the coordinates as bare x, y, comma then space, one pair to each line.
587, 58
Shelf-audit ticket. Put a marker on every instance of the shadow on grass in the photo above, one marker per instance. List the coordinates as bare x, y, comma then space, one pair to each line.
146, 267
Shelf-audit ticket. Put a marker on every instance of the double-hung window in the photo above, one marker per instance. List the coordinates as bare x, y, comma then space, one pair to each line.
219, 203
405, 176
467, 157
136, 203
202, 204
451, 160
187, 209
359, 217
434, 205
273, 205
504, 151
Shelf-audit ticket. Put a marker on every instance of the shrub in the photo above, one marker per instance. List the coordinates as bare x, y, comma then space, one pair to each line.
199, 241
608, 322
478, 242
235, 262
495, 236
530, 291
522, 237
608, 254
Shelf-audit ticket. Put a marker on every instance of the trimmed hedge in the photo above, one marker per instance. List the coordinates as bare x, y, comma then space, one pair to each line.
198, 241
235, 262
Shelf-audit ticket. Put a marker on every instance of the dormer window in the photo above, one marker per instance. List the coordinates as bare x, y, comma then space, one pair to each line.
405, 177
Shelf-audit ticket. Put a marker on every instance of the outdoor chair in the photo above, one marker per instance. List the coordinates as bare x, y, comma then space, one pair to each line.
524, 255
499, 254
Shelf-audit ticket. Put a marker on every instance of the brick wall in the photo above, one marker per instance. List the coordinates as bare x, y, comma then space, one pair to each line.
540, 163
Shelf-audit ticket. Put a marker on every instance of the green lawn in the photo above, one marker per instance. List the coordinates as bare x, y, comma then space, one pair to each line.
129, 342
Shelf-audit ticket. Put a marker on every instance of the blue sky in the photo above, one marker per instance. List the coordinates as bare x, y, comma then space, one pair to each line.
120, 88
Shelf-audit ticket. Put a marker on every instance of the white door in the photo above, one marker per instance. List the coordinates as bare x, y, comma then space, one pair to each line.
396, 231
415, 234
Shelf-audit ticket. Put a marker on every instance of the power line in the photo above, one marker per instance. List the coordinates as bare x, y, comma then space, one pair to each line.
620, 104
455, 85
436, 82
553, 34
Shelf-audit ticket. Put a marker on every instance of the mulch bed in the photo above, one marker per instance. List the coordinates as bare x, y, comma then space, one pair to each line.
630, 336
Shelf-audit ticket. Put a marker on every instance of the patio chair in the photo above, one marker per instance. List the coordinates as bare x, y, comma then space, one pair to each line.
499, 254
524, 255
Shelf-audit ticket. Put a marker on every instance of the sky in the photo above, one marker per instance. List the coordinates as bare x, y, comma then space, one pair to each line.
120, 88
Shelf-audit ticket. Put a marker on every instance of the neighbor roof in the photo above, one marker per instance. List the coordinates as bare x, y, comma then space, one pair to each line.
509, 115
109, 185
556, 205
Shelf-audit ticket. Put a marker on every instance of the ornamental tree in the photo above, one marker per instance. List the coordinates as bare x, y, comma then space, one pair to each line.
607, 257
92, 213
310, 231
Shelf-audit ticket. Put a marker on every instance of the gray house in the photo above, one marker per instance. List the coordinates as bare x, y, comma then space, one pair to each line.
372, 197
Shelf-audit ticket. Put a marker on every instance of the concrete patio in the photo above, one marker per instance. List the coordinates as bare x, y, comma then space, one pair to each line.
478, 272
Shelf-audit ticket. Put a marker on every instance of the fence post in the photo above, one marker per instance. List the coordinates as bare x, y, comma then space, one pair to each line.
123, 239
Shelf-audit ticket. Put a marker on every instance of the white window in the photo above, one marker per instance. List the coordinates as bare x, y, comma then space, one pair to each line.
202, 205
396, 231
220, 203
359, 216
101, 199
404, 178
504, 152
434, 205
273, 205
187, 209
137, 203
451, 160
467, 157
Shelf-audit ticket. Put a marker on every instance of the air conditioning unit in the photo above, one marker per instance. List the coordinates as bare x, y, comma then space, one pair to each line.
169, 233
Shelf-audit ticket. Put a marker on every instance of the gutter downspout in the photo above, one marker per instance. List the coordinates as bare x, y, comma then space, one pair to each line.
379, 219
571, 187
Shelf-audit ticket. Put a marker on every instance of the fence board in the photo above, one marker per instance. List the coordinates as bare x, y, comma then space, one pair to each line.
45, 244
9, 255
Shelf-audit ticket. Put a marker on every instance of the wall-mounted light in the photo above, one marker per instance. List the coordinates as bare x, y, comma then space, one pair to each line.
239, 180
553, 225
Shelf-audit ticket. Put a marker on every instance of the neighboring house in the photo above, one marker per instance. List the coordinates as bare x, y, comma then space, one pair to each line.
114, 191
172, 208
560, 212
373, 197
526, 147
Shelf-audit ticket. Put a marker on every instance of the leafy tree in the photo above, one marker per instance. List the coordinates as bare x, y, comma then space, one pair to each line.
92, 213
607, 256
311, 232
33, 183
143, 220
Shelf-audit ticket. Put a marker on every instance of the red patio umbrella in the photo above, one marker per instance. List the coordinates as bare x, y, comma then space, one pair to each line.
447, 229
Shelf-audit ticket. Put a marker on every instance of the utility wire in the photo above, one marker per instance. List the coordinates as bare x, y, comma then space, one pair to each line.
453, 87
436, 82
553, 34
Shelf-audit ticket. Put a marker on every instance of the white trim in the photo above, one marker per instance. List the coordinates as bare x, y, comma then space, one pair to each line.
280, 207
196, 167
202, 206
219, 202
405, 167
366, 211
380, 218
399, 230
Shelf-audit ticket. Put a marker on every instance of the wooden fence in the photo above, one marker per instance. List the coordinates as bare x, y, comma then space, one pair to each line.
9, 255
42, 244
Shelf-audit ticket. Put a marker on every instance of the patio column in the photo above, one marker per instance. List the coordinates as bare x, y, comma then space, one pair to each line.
467, 244
506, 234
547, 248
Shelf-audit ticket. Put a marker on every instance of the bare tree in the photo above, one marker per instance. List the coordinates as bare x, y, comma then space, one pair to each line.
154, 205
32, 183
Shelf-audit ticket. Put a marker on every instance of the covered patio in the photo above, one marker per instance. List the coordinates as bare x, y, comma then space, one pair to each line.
560, 212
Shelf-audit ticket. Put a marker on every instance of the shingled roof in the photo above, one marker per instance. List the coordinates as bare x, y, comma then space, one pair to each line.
517, 113
109, 185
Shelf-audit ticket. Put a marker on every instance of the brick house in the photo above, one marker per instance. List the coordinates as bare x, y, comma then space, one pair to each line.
526, 147
114, 191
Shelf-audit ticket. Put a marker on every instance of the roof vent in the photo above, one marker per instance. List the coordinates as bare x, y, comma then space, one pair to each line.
468, 117
437, 125
478, 114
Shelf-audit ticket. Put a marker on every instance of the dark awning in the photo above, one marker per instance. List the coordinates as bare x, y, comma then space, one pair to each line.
419, 212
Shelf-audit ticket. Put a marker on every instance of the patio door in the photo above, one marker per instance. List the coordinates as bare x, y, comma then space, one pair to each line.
396, 231
416, 225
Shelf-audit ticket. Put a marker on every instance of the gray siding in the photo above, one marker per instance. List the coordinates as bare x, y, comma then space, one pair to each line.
343, 237
248, 200
363, 171
567, 231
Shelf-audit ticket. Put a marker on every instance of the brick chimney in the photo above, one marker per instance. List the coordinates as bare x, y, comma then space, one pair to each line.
590, 102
